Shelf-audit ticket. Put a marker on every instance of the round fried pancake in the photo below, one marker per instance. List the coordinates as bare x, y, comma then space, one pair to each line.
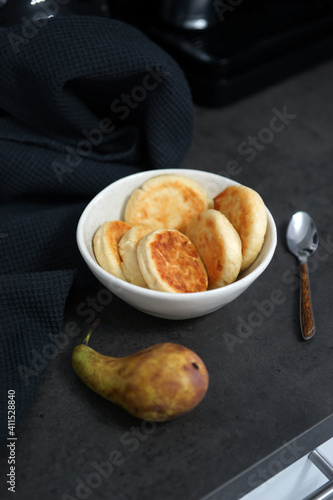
127, 250
105, 246
246, 211
218, 245
166, 201
169, 262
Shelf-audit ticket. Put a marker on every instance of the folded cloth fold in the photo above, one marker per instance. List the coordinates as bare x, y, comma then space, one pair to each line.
85, 100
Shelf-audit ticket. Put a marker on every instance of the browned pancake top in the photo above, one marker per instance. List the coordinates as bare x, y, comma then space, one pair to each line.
177, 262
114, 231
212, 248
218, 245
235, 203
166, 201
246, 211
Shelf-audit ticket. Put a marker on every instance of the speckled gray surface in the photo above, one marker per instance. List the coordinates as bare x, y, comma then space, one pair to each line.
266, 385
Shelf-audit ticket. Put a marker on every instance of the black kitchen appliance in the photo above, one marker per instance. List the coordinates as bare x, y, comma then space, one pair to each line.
231, 48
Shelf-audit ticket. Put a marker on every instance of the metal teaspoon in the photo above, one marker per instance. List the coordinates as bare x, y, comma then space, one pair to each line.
302, 241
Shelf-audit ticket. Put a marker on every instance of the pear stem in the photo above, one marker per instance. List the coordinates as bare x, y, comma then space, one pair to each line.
93, 326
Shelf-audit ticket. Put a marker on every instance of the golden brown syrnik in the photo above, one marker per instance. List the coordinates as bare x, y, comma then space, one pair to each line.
166, 201
246, 211
218, 245
105, 245
177, 239
159, 383
169, 262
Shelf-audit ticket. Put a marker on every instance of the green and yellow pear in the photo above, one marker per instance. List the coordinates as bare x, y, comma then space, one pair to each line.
159, 383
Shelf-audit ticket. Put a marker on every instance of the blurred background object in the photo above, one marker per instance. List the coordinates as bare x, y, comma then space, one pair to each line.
231, 48
226, 48
23, 11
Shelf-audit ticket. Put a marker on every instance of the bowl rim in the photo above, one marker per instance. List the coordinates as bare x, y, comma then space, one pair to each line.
147, 292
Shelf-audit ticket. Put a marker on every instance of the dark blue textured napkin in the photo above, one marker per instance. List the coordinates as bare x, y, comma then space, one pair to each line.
84, 101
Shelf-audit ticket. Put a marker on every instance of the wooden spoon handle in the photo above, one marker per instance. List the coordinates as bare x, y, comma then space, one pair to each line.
307, 321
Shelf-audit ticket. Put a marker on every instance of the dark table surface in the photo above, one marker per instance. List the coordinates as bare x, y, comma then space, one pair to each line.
267, 385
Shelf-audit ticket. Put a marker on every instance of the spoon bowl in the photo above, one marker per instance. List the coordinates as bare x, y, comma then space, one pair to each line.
302, 235
302, 241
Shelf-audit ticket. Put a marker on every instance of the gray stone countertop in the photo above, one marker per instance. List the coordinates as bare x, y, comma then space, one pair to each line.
267, 385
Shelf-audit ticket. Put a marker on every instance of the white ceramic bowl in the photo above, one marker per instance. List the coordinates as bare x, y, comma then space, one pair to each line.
110, 204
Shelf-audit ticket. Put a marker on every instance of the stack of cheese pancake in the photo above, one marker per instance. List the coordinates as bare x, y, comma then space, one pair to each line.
175, 238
